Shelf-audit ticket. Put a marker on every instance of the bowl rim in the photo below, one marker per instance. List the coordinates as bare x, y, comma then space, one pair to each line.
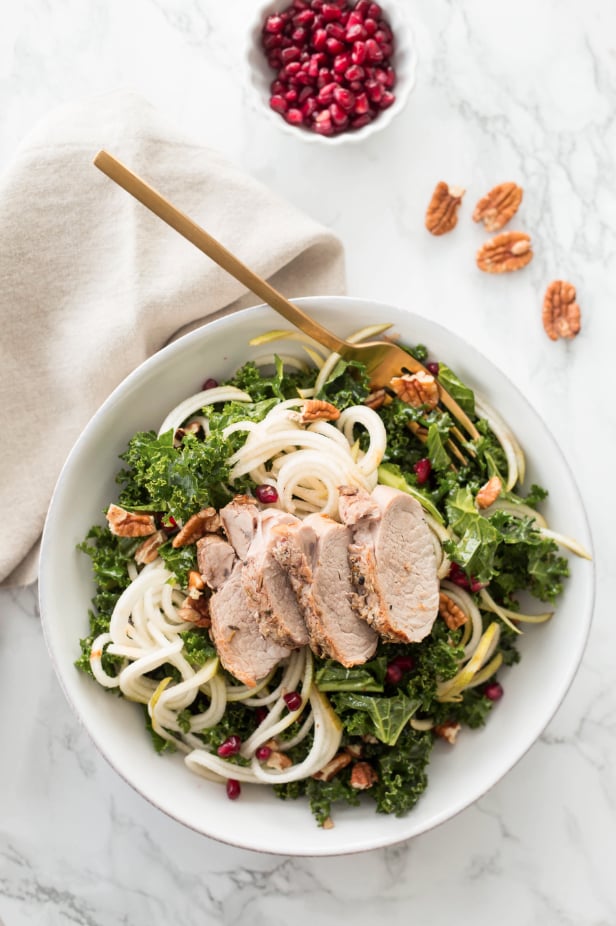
359, 844
386, 117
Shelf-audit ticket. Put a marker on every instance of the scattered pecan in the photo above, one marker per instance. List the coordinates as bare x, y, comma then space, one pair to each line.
334, 766
204, 522
442, 213
147, 551
448, 730
453, 615
278, 760
489, 492
377, 399
363, 776
498, 206
196, 584
129, 523
328, 823
193, 427
508, 251
317, 410
355, 750
196, 611
416, 389
561, 313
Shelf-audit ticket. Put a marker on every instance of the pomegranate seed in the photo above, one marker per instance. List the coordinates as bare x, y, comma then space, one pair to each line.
355, 72
432, 367
393, 674
355, 18
373, 51
355, 32
375, 11
359, 121
169, 523
374, 90
476, 585
323, 123
326, 93
362, 7
260, 714
422, 470
339, 117
335, 31
361, 104
359, 52
291, 95
406, 663
274, 24
459, 577
299, 34
319, 39
277, 87
209, 384
230, 747
279, 104
493, 691
266, 494
344, 98
263, 753
304, 95
291, 53
309, 107
386, 100
330, 12
370, 27
303, 18
293, 700
271, 41
335, 46
233, 789
341, 63
300, 4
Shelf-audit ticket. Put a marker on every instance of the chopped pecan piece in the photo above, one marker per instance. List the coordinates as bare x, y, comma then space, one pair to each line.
204, 522
334, 766
489, 492
448, 730
193, 427
363, 776
147, 551
561, 313
377, 399
508, 251
317, 410
498, 206
195, 610
416, 389
278, 760
453, 615
328, 823
442, 213
124, 523
196, 584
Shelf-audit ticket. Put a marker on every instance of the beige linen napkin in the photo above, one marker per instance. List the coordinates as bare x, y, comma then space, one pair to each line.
91, 283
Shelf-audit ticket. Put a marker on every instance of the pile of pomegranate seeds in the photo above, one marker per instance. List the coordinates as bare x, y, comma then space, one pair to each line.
333, 63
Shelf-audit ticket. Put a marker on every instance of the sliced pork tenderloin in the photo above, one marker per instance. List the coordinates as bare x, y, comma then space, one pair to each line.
215, 559
268, 585
315, 554
393, 565
242, 648
240, 519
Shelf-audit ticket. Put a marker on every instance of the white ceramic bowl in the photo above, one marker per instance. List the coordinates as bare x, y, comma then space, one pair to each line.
261, 75
459, 775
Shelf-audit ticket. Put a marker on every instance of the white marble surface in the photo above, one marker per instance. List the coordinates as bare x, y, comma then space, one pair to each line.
524, 92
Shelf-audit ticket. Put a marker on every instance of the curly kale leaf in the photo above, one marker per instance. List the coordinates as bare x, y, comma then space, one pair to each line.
402, 773
348, 384
281, 384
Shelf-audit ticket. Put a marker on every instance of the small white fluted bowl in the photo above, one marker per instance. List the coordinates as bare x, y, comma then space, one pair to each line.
260, 76
258, 820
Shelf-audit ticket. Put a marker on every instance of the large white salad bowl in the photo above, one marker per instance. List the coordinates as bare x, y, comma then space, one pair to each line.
258, 820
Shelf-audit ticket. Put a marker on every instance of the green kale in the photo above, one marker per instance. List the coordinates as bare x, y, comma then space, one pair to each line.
348, 384
282, 384
331, 676
477, 538
388, 715
161, 745
179, 560
463, 394
402, 772
198, 648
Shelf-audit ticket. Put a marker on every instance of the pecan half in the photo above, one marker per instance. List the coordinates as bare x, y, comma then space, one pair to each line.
363, 776
334, 766
442, 212
196, 611
278, 760
498, 206
147, 551
561, 313
204, 522
508, 251
489, 492
124, 523
448, 731
453, 615
416, 389
317, 410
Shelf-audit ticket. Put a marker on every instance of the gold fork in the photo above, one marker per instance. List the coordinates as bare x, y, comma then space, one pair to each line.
382, 359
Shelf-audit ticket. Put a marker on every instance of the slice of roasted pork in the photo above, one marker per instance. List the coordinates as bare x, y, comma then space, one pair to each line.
315, 554
240, 519
393, 563
215, 559
268, 585
242, 648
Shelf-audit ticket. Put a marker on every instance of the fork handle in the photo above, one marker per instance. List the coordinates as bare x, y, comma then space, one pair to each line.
156, 203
